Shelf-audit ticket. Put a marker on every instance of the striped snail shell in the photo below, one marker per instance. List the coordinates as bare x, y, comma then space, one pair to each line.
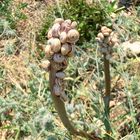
65, 27
60, 75
58, 58
57, 90
73, 24
72, 36
63, 37
56, 30
55, 44
59, 20
65, 49
48, 51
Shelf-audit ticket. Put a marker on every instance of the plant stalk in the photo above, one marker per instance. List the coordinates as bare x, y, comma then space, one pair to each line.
60, 107
107, 94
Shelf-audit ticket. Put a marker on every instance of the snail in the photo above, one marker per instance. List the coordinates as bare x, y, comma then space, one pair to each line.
58, 58
73, 24
48, 51
60, 75
63, 37
72, 36
68, 21
65, 27
59, 20
63, 96
55, 44
65, 49
57, 90
101, 36
45, 65
71, 53
49, 35
56, 30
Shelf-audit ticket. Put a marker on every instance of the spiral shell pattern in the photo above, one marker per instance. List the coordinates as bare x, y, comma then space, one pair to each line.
62, 37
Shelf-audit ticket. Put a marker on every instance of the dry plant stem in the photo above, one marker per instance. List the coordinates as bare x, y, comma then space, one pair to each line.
60, 107
107, 93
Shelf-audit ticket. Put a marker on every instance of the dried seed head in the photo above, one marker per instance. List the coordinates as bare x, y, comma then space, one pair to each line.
73, 36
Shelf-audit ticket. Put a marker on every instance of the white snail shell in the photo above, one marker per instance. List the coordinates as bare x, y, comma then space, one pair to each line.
101, 36
45, 65
65, 49
58, 58
60, 75
106, 33
73, 24
63, 37
68, 21
49, 35
72, 36
55, 44
59, 20
56, 30
48, 51
57, 90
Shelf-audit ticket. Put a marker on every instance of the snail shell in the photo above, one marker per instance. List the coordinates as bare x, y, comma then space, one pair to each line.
72, 36
106, 34
63, 96
71, 53
49, 35
65, 49
60, 75
57, 90
58, 58
65, 27
48, 51
63, 37
56, 30
104, 29
59, 20
73, 24
55, 44
101, 36
45, 65
68, 21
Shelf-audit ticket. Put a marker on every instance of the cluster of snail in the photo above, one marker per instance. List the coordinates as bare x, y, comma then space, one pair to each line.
60, 45
106, 39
